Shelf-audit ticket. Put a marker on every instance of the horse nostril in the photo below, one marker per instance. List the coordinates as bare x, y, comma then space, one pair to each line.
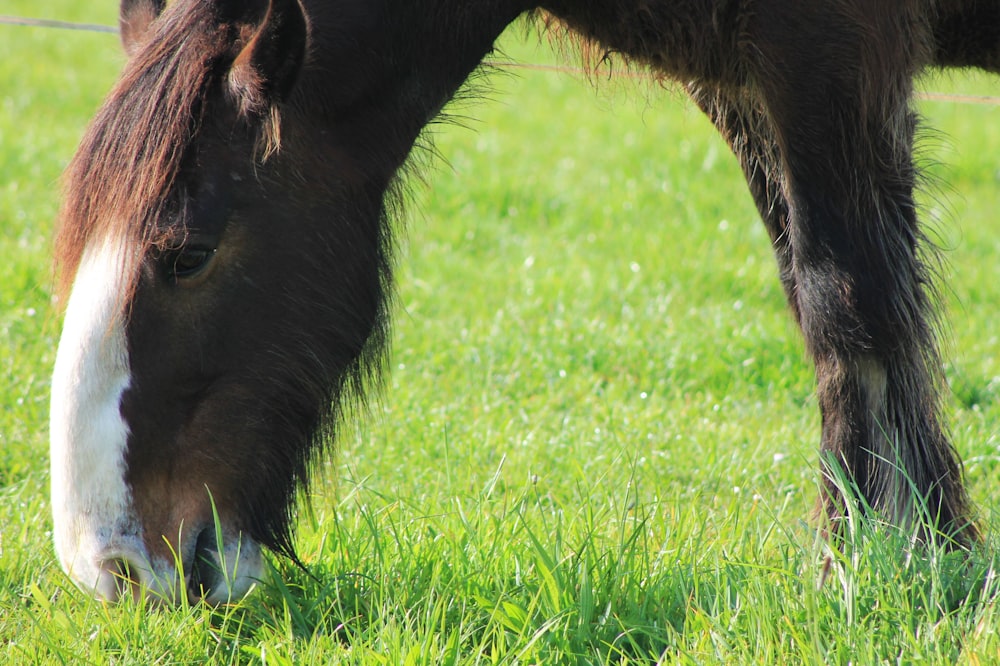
117, 580
206, 572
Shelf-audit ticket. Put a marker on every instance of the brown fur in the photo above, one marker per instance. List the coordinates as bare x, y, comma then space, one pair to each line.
130, 180
236, 373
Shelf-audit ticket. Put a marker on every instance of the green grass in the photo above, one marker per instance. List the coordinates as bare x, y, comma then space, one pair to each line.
598, 442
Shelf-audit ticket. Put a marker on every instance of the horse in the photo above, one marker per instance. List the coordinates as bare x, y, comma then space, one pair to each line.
225, 248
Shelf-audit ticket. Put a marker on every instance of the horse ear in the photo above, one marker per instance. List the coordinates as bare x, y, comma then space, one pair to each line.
134, 17
266, 69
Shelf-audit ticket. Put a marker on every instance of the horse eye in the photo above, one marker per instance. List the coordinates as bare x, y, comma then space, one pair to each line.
187, 262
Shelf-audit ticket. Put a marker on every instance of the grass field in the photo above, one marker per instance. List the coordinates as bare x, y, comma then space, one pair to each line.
598, 442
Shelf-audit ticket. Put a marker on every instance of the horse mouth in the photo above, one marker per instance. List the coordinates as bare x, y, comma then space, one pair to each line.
213, 570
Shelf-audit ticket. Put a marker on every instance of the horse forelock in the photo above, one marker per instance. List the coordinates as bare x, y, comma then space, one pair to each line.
120, 182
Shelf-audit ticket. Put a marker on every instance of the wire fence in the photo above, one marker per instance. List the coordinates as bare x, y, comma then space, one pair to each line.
59, 25
982, 100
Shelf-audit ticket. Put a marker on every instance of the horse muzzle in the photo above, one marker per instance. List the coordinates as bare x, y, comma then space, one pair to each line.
210, 566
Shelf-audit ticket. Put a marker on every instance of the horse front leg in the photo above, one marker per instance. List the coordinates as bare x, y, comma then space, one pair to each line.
860, 282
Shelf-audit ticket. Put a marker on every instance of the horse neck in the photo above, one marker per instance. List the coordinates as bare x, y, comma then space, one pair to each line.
383, 72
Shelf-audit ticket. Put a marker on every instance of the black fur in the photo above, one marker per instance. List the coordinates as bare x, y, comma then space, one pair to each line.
813, 97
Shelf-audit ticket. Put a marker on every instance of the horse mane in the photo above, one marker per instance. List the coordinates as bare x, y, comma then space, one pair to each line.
129, 175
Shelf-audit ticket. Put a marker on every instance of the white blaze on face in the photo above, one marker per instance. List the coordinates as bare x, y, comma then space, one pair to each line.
98, 535
92, 507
